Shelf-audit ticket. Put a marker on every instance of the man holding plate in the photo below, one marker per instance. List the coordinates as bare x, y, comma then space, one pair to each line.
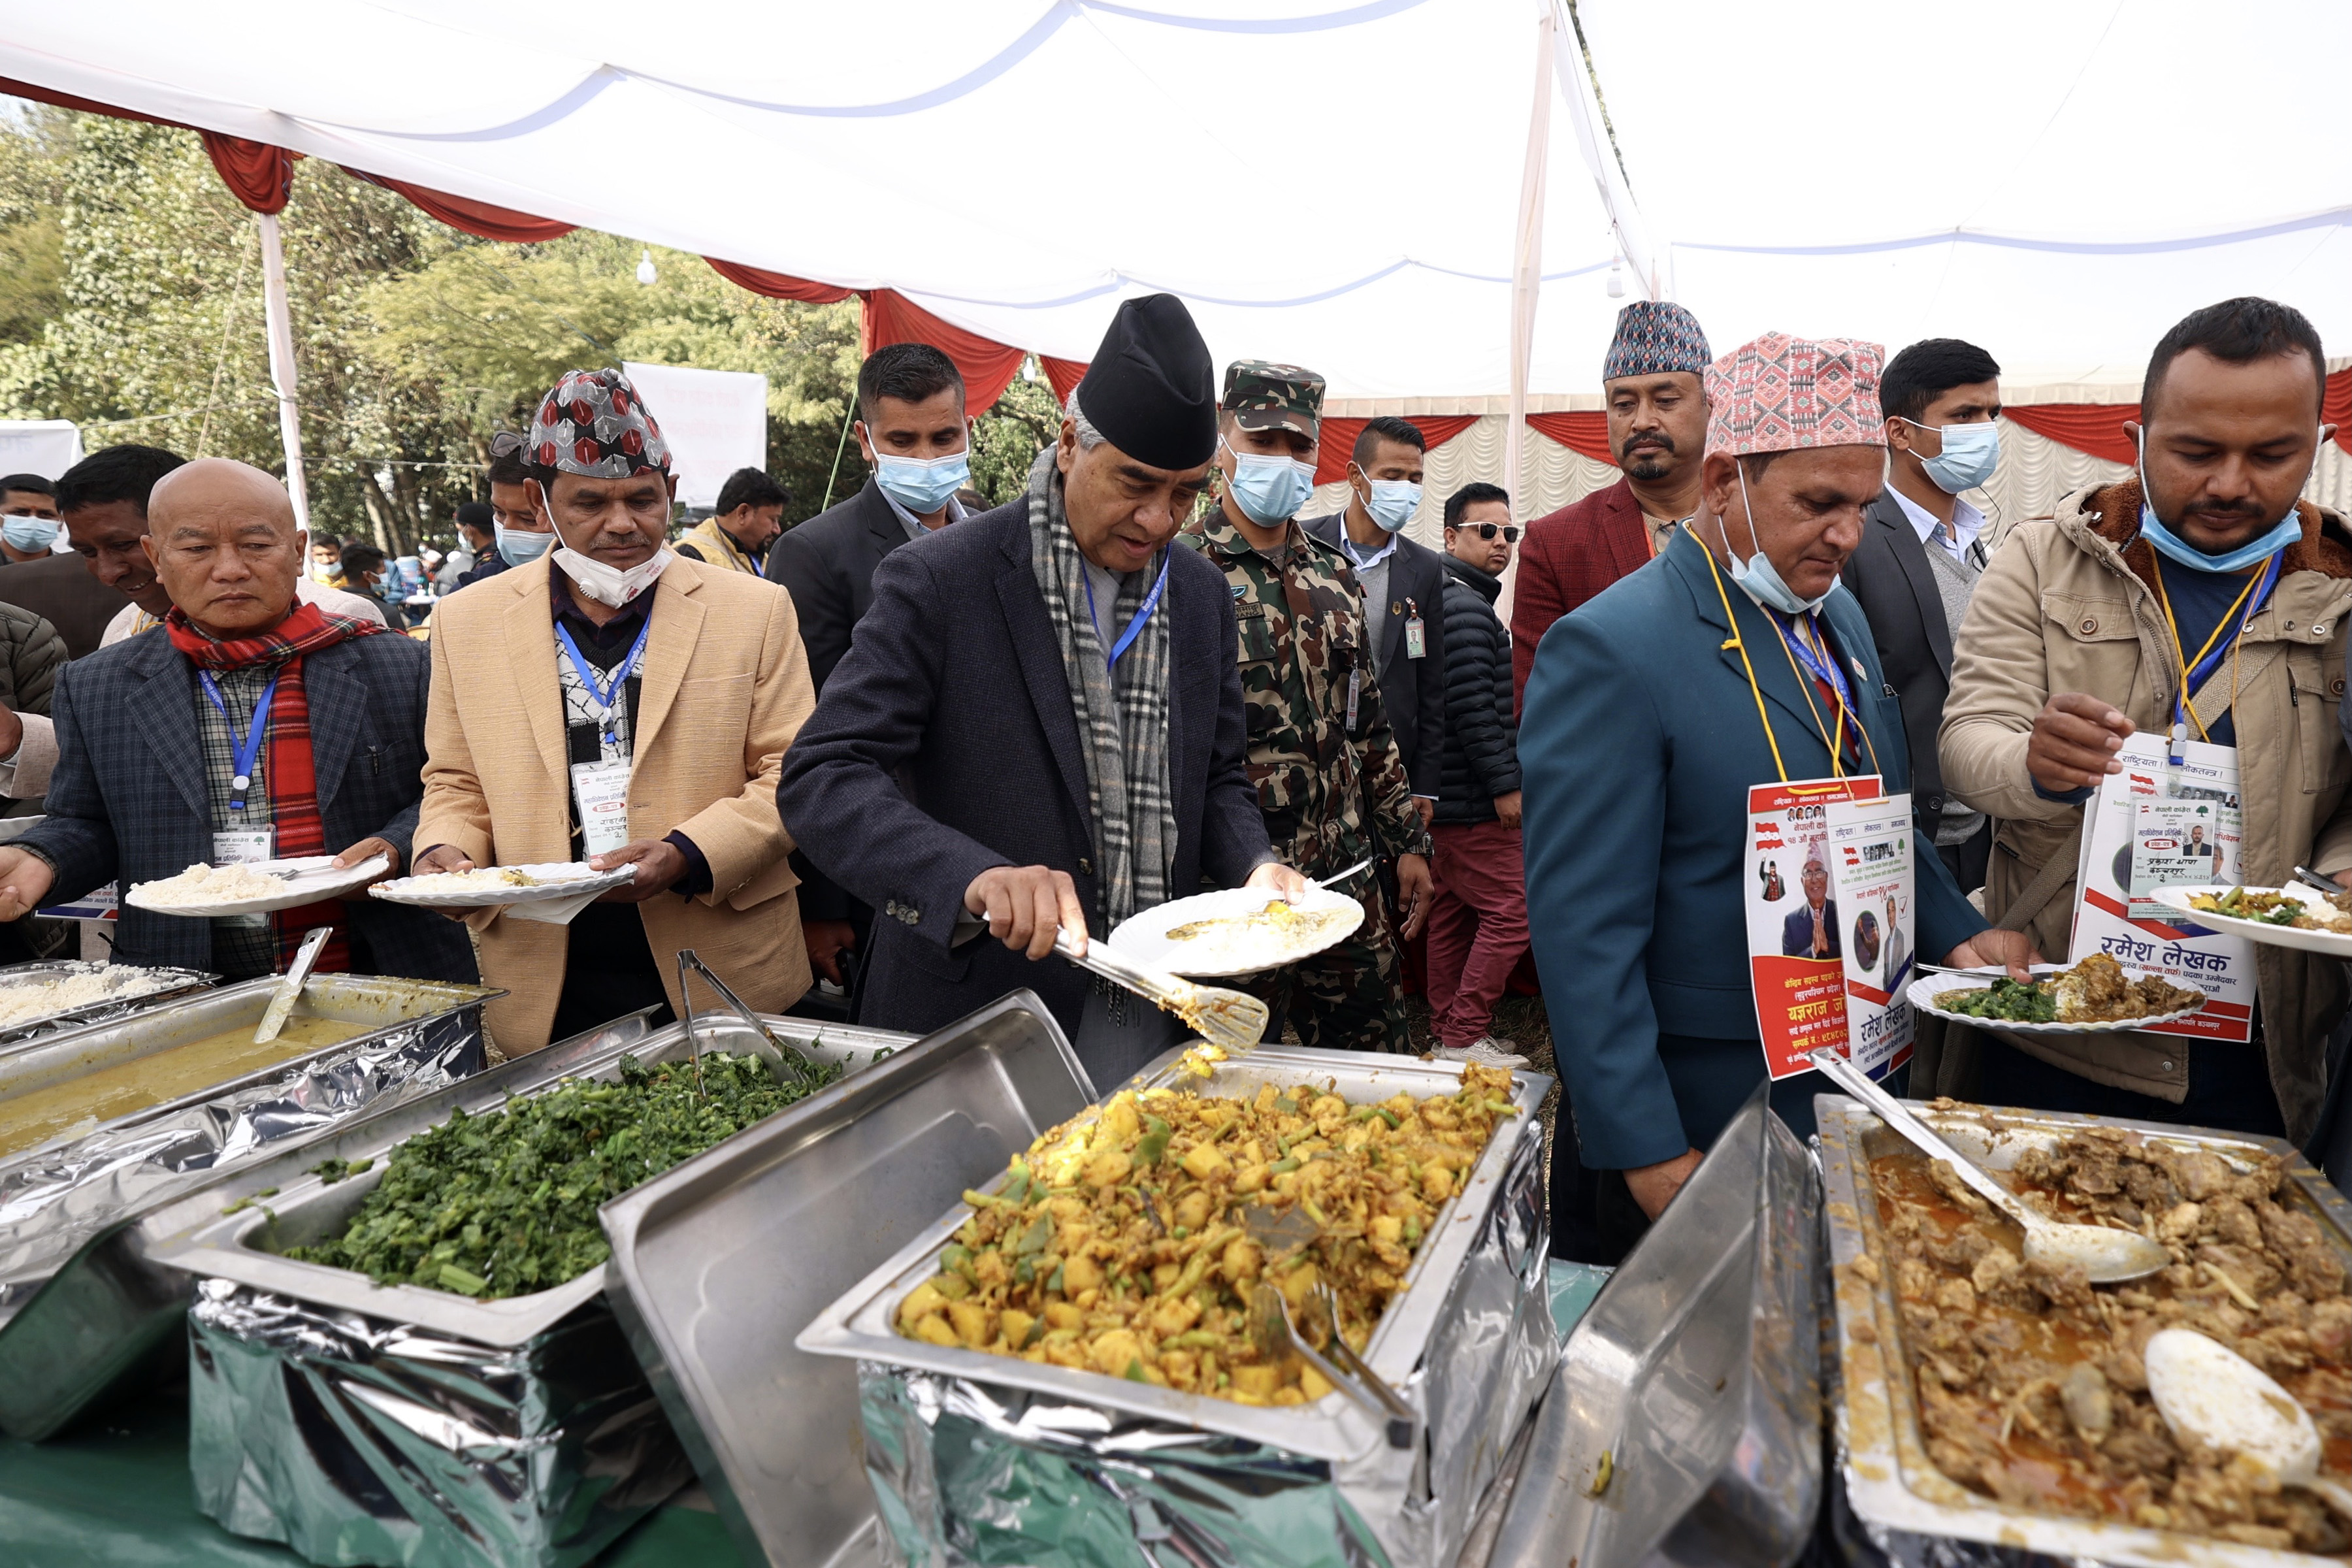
255, 727
617, 703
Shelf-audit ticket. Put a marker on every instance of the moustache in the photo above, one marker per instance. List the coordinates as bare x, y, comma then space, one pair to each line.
2231, 511
1645, 442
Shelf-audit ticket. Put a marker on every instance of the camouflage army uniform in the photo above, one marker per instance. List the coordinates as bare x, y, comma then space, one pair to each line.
1333, 794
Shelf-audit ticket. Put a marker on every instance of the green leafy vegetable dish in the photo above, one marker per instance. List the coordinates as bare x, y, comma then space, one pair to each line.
2012, 1001
505, 1204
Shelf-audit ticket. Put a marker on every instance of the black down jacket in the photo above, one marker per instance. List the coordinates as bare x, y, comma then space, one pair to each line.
1482, 738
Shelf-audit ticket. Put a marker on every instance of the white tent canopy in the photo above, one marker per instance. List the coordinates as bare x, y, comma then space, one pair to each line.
1338, 182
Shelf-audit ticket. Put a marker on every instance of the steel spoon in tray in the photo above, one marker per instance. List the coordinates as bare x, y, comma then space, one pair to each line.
2107, 1257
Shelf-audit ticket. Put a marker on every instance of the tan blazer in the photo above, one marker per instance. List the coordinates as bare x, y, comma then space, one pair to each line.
724, 689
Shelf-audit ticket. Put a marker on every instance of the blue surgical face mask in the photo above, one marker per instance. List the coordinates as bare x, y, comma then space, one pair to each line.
31, 534
2261, 547
1756, 576
1393, 501
520, 546
921, 485
1970, 455
1270, 490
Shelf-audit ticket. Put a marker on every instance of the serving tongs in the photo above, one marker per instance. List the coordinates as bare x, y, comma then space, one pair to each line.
1231, 1020
1276, 1336
2108, 1256
781, 1059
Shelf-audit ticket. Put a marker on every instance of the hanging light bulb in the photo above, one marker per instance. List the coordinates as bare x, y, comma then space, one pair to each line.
1616, 277
645, 273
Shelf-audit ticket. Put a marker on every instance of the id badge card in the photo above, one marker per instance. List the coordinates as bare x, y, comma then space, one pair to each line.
244, 847
1415, 641
1355, 692
601, 792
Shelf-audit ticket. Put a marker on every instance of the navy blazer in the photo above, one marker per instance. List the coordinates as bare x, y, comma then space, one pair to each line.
826, 563
1412, 689
945, 745
129, 803
1638, 743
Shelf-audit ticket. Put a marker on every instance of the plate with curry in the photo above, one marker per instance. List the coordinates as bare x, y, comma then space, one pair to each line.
1238, 930
2303, 918
2097, 996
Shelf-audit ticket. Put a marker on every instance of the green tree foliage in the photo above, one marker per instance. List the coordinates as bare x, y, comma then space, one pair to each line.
130, 302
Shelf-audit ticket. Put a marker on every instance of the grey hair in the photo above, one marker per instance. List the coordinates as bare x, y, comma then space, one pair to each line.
1088, 436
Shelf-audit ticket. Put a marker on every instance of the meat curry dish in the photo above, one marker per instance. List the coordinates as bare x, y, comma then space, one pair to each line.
1133, 1243
2029, 1381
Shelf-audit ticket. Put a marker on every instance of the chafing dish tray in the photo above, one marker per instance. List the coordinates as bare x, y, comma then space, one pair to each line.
722, 1259
249, 1247
1895, 1489
861, 1323
77, 1309
180, 983
1682, 1429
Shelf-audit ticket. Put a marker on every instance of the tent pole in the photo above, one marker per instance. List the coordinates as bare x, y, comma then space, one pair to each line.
1527, 283
282, 362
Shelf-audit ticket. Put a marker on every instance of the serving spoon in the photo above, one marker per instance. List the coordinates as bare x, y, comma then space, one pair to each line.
2208, 1393
1234, 1021
2107, 1257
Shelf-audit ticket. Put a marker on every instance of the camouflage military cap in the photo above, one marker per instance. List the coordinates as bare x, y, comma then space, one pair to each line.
1263, 396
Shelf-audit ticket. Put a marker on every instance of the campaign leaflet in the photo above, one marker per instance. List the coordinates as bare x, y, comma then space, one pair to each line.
1795, 944
2168, 944
1871, 877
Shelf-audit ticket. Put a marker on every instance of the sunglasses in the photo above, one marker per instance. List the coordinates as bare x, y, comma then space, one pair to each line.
1509, 531
506, 444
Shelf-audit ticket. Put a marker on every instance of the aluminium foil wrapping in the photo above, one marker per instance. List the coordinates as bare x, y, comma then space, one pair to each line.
359, 1440
55, 1203
973, 1473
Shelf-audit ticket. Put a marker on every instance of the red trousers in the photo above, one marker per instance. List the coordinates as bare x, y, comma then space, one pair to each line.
1477, 926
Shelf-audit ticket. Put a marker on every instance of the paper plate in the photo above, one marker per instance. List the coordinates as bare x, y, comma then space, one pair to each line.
309, 879
1143, 936
561, 879
1923, 992
12, 829
2333, 943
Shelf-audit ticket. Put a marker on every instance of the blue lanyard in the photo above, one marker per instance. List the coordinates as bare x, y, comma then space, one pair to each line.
1142, 613
1824, 669
605, 695
248, 747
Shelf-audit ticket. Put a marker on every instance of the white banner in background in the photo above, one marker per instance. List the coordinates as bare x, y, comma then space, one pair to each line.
716, 421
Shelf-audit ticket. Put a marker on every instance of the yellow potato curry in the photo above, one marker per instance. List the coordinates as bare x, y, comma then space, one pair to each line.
1128, 1243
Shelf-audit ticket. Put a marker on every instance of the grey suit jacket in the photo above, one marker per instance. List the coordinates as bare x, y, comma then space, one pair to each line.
129, 803
1412, 689
1889, 573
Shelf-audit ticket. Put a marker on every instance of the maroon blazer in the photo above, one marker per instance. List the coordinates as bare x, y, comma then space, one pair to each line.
1568, 558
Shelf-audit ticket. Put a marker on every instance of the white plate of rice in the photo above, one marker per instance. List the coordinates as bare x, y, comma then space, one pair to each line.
486, 887
255, 888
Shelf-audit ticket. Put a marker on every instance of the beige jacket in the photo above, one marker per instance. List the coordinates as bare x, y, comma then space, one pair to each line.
2065, 605
725, 689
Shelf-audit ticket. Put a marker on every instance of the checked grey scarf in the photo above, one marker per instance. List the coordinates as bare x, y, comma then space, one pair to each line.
1124, 730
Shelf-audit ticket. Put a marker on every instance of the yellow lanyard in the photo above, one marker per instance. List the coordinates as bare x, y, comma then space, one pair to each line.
2180, 654
1804, 684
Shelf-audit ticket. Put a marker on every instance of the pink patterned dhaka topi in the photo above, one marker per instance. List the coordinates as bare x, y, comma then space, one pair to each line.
1780, 393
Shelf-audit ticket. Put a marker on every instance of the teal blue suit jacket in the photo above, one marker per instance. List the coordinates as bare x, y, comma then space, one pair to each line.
1638, 745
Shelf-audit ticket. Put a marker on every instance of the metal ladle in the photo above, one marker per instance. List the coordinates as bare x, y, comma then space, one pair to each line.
2208, 1393
2108, 1256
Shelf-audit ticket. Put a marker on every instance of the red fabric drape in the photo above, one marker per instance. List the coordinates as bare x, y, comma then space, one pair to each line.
1063, 375
777, 285
1340, 439
2335, 407
988, 367
1584, 431
2094, 427
478, 219
259, 175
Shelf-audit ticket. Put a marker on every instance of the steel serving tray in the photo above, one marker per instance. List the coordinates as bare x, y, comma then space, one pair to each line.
78, 1309
1684, 1425
183, 983
249, 1247
1893, 1485
861, 1323
720, 1262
